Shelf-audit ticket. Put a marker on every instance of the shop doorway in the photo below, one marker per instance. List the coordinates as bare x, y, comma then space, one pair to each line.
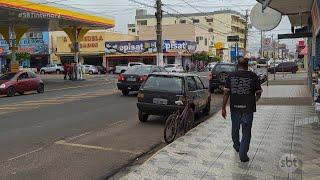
67, 59
93, 60
38, 61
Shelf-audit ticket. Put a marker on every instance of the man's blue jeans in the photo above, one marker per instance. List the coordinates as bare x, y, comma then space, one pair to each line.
244, 120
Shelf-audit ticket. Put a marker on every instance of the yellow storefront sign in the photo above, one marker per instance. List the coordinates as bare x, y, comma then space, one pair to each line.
14, 67
218, 45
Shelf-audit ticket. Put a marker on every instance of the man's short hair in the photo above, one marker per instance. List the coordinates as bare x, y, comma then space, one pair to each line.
243, 62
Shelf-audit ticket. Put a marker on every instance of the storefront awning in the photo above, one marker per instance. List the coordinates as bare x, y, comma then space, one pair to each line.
46, 16
298, 11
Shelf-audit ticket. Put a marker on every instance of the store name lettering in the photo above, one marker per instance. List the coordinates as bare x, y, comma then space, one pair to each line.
88, 39
89, 45
131, 47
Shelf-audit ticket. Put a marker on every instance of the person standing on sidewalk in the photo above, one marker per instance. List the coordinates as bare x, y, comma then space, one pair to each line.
244, 89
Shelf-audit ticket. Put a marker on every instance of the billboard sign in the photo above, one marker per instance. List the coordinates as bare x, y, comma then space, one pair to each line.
178, 46
150, 46
127, 47
31, 46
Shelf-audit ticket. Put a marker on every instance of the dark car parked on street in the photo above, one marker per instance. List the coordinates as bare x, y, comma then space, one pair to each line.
159, 93
285, 67
219, 75
20, 82
132, 79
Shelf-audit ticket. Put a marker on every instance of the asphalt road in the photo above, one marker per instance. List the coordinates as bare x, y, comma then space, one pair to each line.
76, 130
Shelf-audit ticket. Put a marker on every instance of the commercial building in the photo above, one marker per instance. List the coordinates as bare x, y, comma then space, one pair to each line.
92, 47
209, 30
304, 17
174, 52
34, 44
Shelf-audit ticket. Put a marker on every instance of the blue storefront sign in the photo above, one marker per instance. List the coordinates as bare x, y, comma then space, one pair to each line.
127, 47
174, 46
32, 46
150, 46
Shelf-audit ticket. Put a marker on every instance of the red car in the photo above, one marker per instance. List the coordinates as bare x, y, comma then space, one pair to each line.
20, 82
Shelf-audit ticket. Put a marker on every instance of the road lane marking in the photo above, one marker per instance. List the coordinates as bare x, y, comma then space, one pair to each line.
116, 123
75, 87
25, 154
62, 142
78, 136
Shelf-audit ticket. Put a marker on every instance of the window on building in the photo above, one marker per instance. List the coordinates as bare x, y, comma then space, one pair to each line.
133, 30
198, 40
201, 38
196, 21
183, 21
210, 20
210, 30
142, 23
206, 42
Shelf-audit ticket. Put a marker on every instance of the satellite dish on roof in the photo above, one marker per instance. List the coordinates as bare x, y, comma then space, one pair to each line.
266, 20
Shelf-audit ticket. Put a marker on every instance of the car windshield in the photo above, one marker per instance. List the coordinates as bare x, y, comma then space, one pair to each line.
7, 76
225, 68
139, 70
164, 83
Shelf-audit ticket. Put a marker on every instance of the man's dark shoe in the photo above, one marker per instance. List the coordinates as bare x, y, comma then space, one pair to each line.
247, 159
236, 148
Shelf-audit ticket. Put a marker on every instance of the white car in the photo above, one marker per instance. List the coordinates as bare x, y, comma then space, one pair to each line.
123, 68
90, 69
174, 68
52, 68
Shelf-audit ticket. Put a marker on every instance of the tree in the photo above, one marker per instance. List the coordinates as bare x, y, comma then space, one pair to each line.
21, 56
202, 56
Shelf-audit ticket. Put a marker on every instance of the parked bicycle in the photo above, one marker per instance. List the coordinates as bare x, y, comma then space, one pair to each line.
179, 123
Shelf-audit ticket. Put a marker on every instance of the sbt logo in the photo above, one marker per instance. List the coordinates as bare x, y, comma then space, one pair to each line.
289, 163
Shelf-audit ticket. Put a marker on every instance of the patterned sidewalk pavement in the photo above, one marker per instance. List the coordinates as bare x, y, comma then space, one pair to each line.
206, 152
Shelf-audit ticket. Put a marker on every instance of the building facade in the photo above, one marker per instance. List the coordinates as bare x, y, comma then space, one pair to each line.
92, 47
209, 30
35, 44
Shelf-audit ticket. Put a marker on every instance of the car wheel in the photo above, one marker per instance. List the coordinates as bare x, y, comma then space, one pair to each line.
142, 116
40, 88
207, 109
42, 72
123, 71
58, 72
90, 72
11, 92
294, 72
125, 92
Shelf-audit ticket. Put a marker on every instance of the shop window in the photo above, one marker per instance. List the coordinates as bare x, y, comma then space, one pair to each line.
198, 40
209, 20
142, 23
195, 21
183, 21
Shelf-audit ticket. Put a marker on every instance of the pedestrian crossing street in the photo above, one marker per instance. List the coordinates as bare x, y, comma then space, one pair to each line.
36, 104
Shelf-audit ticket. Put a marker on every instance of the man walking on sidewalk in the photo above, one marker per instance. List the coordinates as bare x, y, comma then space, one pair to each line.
244, 89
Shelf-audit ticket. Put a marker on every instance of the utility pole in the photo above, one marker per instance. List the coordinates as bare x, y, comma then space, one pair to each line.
246, 31
159, 33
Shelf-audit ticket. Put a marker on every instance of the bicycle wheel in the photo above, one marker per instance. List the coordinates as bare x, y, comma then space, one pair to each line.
171, 128
189, 120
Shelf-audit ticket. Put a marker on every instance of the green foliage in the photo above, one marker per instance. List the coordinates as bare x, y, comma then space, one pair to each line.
202, 56
216, 59
21, 56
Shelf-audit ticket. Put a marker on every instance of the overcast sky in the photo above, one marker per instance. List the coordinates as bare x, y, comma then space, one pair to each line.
123, 11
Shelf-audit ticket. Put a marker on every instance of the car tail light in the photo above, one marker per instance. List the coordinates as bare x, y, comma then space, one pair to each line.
121, 77
143, 78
